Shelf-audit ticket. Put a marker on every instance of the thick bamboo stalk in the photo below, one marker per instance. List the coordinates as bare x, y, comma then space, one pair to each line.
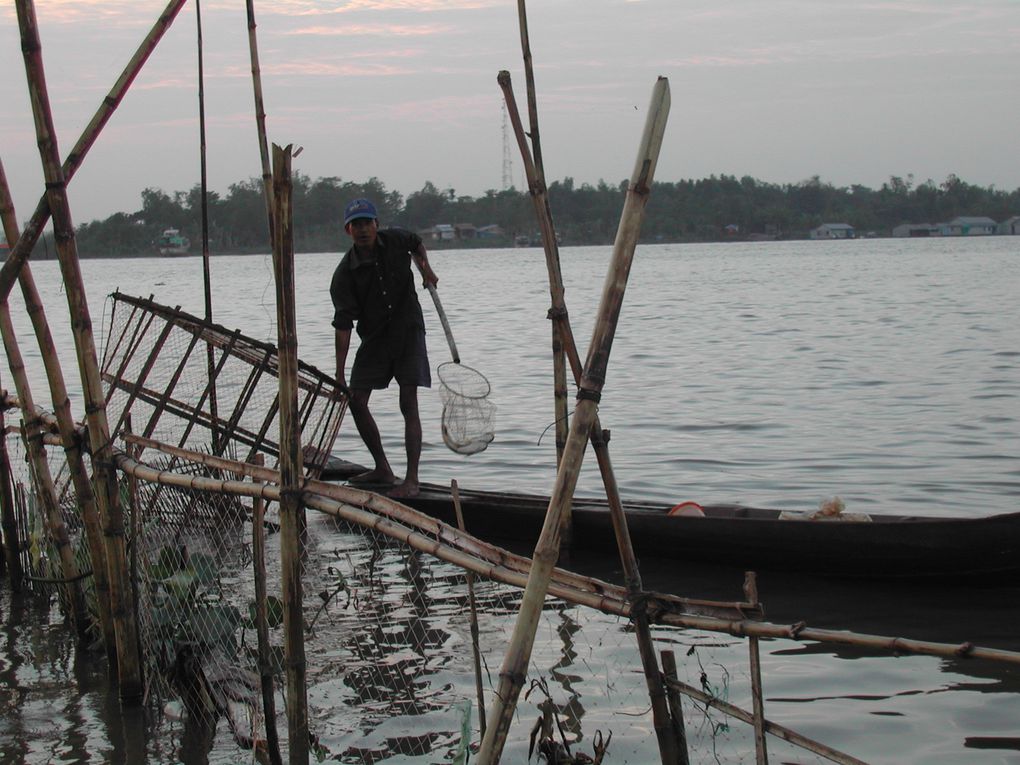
258, 546
129, 666
513, 673
22, 249
292, 514
473, 609
260, 116
8, 516
779, 731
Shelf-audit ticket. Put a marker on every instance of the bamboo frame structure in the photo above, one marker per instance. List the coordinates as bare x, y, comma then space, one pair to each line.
22, 248
515, 664
292, 514
426, 534
564, 345
65, 424
128, 664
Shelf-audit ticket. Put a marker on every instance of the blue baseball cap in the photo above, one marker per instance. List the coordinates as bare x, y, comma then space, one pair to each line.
359, 208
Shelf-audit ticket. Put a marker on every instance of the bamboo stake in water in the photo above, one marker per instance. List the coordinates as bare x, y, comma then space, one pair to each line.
475, 649
8, 517
514, 671
292, 514
129, 667
258, 546
761, 755
66, 426
676, 709
22, 249
564, 335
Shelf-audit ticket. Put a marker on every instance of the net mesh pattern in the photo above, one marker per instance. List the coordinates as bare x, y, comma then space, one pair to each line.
468, 415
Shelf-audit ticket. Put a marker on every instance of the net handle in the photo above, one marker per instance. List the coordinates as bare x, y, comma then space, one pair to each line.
445, 322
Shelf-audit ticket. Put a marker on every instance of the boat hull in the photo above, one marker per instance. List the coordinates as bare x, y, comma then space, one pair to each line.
905, 547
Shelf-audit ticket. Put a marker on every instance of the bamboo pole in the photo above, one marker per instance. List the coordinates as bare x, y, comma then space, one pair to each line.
539, 192
776, 730
32, 430
346, 504
129, 666
8, 516
22, 249
260, 116
513, 673
258, 546
292, 514
761, 754
65, 425
475, 649
676, 709
210, 353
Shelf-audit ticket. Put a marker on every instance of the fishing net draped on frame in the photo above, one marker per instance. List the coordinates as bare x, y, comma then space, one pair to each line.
468, 415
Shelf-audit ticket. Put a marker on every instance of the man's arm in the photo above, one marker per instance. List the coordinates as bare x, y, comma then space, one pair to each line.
342, 342
421, 259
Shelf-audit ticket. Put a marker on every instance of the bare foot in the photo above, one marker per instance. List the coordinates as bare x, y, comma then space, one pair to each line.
406, 490
373, 476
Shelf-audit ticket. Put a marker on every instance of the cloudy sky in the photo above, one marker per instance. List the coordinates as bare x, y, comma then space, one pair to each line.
405, 90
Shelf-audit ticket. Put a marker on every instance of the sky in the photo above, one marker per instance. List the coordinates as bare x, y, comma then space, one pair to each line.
405, 91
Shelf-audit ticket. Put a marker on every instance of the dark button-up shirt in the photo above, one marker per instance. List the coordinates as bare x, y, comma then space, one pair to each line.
378, 291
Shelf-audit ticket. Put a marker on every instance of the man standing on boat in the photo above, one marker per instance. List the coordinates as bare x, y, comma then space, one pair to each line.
374, 287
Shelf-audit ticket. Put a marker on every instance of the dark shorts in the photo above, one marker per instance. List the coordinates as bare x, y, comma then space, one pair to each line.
403, 359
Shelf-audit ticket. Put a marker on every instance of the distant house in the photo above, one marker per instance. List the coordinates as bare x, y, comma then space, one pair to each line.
915, 230
731, 229
834, 231
489, 232
968, 226
464, 230
441, 232
1010, 226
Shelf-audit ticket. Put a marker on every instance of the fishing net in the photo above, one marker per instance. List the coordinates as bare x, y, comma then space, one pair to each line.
468, 415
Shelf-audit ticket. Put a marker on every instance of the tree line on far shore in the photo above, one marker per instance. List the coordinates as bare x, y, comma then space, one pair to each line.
710, 209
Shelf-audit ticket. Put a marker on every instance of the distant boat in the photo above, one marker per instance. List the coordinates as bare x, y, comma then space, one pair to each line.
173, 242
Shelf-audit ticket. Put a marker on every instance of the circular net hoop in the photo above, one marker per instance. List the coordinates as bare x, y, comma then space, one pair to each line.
468, 415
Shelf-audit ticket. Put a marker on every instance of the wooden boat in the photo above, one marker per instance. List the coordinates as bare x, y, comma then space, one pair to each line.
886, 546
172, 243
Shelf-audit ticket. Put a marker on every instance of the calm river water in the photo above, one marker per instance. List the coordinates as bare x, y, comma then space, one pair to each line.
885, 372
